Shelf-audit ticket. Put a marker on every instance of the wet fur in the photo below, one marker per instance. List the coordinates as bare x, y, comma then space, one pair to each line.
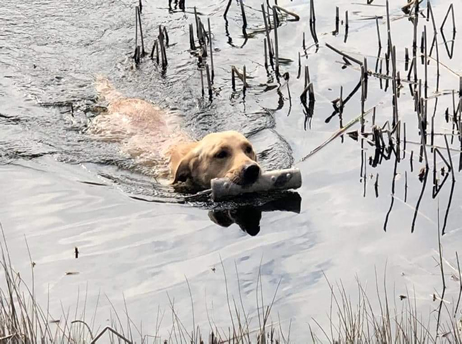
153, 138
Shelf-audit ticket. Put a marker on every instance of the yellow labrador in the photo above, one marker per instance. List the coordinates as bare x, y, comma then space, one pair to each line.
225, 154
152, 137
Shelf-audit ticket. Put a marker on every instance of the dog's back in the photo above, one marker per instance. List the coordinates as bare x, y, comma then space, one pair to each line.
144, 130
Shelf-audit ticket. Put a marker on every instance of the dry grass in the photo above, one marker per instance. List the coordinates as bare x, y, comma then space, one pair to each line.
378, 320
366, 320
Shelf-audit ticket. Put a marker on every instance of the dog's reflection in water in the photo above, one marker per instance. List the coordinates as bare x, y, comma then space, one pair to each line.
248, 217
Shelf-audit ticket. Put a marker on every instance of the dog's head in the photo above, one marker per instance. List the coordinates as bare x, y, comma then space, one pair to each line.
226, 154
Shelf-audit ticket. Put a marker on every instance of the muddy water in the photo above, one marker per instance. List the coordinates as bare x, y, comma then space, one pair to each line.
62, 189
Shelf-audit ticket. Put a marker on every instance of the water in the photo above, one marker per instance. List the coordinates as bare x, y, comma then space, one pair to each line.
63, 189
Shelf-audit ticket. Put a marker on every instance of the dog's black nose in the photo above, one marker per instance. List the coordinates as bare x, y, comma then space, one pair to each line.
251, 174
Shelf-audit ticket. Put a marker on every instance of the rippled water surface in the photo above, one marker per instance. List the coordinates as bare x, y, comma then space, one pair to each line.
61, 188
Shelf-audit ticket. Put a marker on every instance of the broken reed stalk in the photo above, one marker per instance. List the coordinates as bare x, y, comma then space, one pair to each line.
380, 71
414, 41
422, 48
244, 79
244, 19
265, 48
313, 23
404, 141
337, 21
138, 12
389, 40
286, 77
454, 115
155, 47
209, 82
227, 9
308, 108
426, 62
363, 100
276, 45
336, 134
163, 52
346, 27
233, 79
202, 82
450, 9
363, 158
405, 186
307, 77
411, 160
268, 40
344, 55
340, 112
211, 50
406, 59
366, 77
192, 45
308, 102
167, 39
157, 52
392, 202
460, 122
435, 41
198, 30
378, 32
299, 65
411, 84
426, 168
387, 69
135, 54
395, 87
203, 37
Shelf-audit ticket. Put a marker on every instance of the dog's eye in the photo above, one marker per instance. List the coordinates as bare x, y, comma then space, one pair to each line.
221, 154
248, 149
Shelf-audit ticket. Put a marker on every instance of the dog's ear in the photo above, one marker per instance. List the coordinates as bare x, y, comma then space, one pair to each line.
184, 170
182, 159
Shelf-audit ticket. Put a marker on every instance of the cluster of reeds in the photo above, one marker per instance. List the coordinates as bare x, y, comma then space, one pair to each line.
159, 48
394, 145
203, 50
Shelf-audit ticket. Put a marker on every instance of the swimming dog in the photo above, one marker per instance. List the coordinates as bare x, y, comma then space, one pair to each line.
153, 138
